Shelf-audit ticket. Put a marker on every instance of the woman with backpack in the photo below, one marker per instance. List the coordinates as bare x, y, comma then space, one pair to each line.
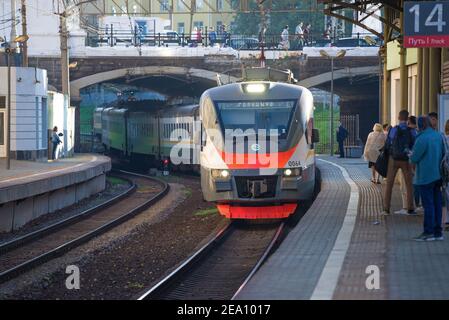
374, 143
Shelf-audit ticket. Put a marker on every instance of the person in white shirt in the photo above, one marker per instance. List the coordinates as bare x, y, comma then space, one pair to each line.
299, 33
285, 43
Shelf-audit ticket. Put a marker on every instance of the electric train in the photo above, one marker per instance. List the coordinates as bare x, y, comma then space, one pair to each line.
252, 141
257, 150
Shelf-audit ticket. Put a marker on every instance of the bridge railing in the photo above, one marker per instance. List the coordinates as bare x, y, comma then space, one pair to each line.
110, 37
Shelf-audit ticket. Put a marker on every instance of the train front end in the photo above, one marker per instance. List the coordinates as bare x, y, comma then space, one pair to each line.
257, 158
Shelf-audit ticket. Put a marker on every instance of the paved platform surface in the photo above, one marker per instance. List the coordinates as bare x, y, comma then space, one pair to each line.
327, 254
26, 178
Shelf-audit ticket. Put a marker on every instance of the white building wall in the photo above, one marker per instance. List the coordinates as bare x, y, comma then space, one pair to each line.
28, 115
43, 26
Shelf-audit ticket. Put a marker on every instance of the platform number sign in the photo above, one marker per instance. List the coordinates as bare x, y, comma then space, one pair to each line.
426, 24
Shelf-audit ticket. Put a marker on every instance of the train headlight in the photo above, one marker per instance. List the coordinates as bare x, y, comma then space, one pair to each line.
255, 88
220, 174
292, 172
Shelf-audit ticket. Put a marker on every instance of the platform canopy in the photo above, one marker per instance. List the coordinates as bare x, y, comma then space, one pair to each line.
365, 10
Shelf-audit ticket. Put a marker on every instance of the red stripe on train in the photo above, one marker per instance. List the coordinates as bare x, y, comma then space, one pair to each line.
267, 212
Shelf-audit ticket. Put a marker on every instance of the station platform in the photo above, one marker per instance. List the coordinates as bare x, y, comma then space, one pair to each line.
30, 189
342, 246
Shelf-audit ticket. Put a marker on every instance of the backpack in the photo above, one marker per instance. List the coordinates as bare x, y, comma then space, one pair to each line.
444, 167
401, 144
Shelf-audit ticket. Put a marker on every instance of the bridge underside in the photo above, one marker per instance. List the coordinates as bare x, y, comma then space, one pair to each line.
358, 95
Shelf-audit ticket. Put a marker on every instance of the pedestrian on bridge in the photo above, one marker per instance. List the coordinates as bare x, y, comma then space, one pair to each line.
285, 44
299, 34
212, 36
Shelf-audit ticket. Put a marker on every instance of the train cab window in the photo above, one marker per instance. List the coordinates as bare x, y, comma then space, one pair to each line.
272, 116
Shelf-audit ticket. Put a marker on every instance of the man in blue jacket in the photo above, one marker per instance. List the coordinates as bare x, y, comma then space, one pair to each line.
342, 134
427, 155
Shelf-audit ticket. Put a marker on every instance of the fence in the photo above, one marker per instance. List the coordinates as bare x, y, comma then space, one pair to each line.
112, 38
322, 123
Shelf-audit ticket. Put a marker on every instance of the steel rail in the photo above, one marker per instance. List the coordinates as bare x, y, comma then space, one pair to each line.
60, 250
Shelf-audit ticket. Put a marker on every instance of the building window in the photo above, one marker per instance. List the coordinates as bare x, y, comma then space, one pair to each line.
198, 24
2, 102
181, 27
199, 4
164, 5
219, 24
219, 4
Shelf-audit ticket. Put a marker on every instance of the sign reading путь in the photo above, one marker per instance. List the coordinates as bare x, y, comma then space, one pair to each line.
426, 24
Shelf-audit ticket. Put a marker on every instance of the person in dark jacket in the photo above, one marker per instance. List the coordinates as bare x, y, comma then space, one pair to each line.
342, 134
55, 142
212, 36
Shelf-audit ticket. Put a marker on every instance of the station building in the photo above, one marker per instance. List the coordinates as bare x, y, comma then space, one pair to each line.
183, 14
35, 110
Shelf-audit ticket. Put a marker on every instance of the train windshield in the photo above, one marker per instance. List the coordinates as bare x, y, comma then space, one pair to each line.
272, 116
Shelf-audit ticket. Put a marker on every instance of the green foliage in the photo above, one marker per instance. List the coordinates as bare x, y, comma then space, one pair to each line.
206, 212
308, 12
114, 181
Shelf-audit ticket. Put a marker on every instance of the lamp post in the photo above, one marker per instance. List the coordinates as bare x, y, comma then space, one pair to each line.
340, 54
10, 50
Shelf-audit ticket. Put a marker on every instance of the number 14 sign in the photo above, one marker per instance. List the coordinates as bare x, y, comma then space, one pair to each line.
426, 24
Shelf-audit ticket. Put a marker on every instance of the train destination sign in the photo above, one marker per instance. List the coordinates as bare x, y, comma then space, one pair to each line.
426, 24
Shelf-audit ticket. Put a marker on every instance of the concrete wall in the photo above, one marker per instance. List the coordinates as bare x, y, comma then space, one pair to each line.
15, 214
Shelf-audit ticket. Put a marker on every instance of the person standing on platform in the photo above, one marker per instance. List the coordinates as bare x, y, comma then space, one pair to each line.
427, 154
55, 140
374, 142
399, 142
386, 128
433, 117
446, 189
342, 134
412, 125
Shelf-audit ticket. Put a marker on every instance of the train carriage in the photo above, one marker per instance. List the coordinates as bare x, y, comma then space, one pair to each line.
97, 122
179, 128
114, 130
143, 136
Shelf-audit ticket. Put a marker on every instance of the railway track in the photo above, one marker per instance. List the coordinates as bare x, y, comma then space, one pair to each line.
222, 267
24, 253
